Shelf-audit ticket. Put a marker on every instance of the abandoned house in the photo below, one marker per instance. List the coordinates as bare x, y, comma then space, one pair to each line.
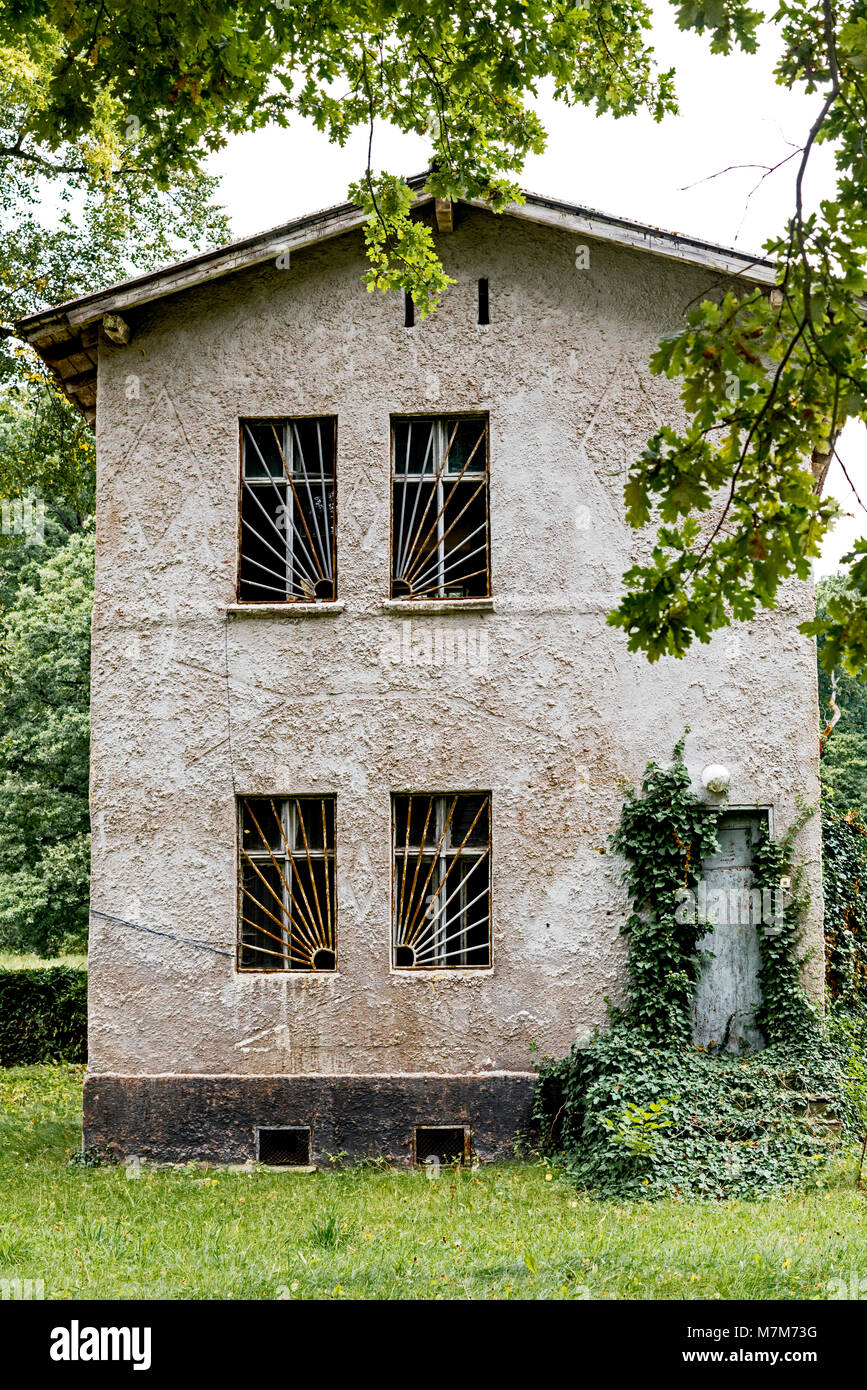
360, 730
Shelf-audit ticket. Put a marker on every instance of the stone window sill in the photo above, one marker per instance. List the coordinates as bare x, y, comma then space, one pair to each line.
418, 607
285, 610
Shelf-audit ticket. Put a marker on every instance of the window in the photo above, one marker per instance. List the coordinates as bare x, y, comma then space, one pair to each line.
440, 509
287, 511
442, 881
288, 903
484, 303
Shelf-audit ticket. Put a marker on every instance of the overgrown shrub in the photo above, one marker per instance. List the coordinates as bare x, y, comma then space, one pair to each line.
664, 835
844, 870
45, 754
729, 1125
43, 1016
639, 1109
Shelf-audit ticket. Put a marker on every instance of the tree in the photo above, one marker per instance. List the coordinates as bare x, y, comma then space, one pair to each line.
45, 753
106, 221
768, 380
179, 75
843, 766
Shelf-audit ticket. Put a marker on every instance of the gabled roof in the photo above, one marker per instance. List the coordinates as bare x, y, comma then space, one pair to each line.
66, 337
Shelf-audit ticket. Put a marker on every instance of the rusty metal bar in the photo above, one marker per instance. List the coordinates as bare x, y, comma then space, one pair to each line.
423, 549
310, 866
329, 918
453, 482
307, 556
302, 927
297, 500
304, 932
432, 482
433, 865
424, 937
285, 476
421, 478
422, 842
276, 863
451, 865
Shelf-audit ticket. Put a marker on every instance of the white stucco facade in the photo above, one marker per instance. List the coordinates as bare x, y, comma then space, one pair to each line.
195, 703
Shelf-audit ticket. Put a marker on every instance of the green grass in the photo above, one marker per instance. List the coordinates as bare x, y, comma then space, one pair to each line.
12, 960
516, 1231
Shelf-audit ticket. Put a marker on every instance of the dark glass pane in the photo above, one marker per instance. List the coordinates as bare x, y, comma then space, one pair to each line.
313, 452
413, 446
465, 812
468, 443
265, 813
263, 449
310, 813
422, 815
262, 938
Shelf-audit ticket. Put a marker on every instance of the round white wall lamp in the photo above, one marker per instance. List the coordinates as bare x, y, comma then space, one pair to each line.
716, 778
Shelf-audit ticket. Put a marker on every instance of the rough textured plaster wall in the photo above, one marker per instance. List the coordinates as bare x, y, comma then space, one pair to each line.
551, 721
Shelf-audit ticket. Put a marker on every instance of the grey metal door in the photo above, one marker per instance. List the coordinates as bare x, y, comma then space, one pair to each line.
728, 992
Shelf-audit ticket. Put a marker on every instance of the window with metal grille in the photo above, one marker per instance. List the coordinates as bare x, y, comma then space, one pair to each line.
284, 1148
287, 511
439, 531
447, 1144
288, 899
442, 881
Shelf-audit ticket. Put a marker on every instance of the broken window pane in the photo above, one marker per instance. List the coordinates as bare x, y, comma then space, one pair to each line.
288, 902
442, 881
287, 511
440, 508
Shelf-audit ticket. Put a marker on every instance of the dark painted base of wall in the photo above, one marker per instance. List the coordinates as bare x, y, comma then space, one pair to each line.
214, 1119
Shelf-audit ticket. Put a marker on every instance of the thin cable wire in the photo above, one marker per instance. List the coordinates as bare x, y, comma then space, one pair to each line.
184, 940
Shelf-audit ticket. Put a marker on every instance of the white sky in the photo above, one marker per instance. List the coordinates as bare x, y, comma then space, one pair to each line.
731, 113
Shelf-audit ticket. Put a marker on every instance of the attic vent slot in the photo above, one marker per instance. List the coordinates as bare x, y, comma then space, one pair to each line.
408, 311
284, 1148
448, 1145
484, 310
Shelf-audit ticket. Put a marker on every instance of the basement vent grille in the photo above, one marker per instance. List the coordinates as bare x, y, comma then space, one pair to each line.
284, 1148
441, 1142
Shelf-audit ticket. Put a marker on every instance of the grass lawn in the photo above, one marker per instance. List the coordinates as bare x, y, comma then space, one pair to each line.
516, 1231
12, 960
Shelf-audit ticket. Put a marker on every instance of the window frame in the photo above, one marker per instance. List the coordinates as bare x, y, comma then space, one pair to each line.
441, 856
440, 422
321, 479
327, 855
